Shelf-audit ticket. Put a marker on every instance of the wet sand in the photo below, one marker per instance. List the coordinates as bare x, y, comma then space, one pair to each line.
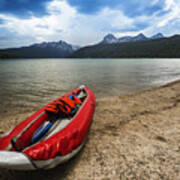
135, 136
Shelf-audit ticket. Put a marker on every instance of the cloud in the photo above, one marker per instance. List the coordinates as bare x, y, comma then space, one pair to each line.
24, 8
38, 29
85, 22
89, 6
130, 8
174, 12
168, 22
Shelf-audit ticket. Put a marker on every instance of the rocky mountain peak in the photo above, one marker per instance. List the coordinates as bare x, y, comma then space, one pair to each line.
157, 36
110, 38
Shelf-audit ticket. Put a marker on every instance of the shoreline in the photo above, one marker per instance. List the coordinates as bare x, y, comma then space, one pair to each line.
133, 136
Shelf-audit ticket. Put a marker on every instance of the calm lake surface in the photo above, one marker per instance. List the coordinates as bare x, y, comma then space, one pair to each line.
33, 82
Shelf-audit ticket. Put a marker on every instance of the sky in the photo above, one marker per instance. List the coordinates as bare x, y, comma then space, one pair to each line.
84, 22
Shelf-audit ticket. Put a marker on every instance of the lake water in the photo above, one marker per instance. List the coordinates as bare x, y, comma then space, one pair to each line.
33, 82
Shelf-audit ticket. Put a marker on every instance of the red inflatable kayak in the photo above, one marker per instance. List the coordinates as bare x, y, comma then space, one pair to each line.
26, 148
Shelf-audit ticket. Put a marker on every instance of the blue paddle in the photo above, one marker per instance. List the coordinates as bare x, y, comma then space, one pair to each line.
41, 131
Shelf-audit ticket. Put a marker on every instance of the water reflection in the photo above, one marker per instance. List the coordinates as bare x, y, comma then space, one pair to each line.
38, 81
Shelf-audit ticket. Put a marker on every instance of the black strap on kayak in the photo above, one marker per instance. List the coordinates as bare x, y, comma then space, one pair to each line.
63, 106
73, 110
65, 103
16, 144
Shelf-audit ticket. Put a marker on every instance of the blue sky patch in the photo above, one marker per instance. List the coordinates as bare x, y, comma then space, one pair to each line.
24, 8
1, 21
130, 8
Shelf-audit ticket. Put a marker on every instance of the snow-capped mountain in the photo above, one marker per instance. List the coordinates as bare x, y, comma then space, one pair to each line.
139, 37
159, 48
62, 49
61, 45
110, 38
58, 49
157, 36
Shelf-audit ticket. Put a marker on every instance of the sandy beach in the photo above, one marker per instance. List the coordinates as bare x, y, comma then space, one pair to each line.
135, 136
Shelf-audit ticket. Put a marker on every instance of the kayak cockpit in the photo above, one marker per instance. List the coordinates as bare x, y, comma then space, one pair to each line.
44, 126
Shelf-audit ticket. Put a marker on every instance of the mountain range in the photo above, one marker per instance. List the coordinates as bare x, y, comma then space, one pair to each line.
154, 48
110, 38
128, 46
59, 49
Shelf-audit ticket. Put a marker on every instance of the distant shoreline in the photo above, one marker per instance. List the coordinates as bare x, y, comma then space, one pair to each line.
26, 58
